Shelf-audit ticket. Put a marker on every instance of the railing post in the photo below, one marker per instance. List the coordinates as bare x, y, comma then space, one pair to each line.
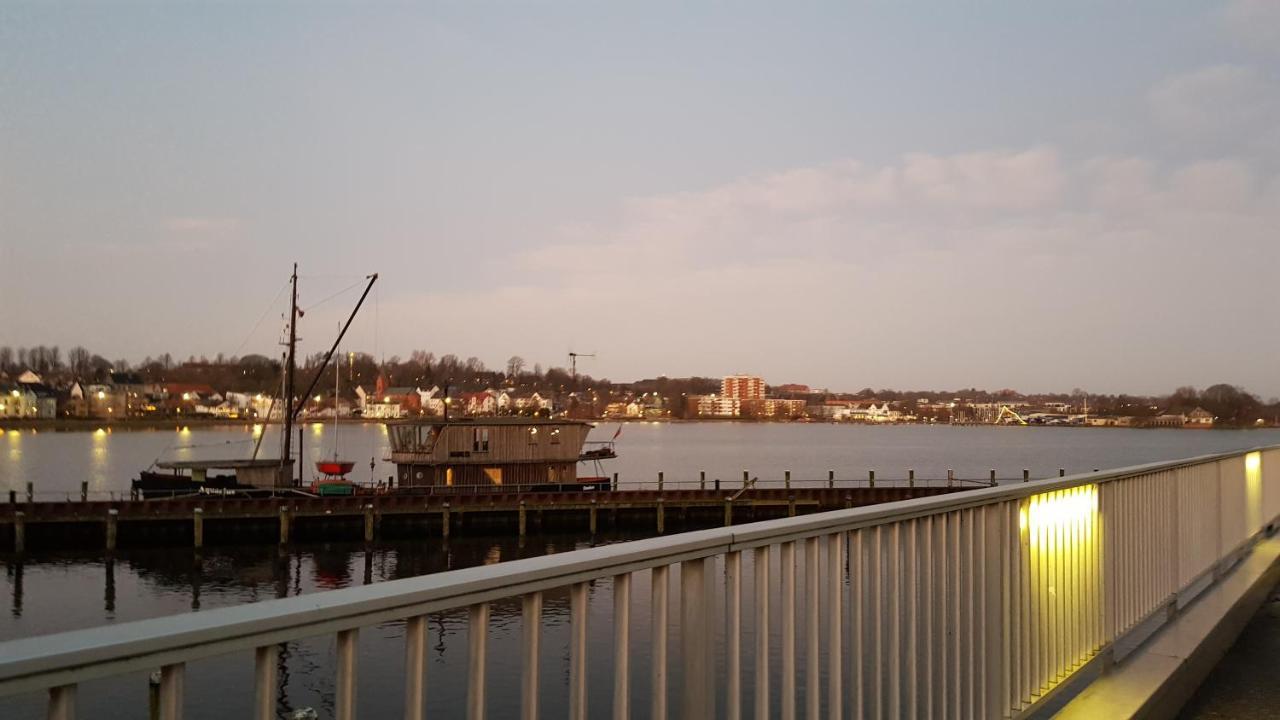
733, 635
19, 532
415, 668
531, 633
266, 659
171, 691
658, 632
62, 702
578, 651
835, 652
112, 516
696, 623
622, 646
197, 527
762, 632
344, 703
787, 567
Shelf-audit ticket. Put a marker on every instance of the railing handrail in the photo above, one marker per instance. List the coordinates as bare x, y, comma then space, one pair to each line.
45, 661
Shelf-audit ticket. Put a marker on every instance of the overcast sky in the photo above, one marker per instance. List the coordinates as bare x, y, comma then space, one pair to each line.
844, 195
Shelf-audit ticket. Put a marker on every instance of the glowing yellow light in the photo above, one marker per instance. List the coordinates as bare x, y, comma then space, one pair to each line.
317, 398
1060, 509
14, 393
101, 395
386, 399
99, 431
186, 396
257, 429
1253, 462
185, 430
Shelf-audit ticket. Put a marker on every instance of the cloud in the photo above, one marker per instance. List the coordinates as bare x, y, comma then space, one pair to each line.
1256, 23
910, 272
1217, 102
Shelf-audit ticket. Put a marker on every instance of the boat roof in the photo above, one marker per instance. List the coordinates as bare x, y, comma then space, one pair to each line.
233, 464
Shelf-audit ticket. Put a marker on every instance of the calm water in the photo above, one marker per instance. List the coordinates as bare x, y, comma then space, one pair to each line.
57, 462
50, 592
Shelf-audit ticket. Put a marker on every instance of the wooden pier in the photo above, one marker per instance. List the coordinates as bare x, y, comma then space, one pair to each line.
196, 521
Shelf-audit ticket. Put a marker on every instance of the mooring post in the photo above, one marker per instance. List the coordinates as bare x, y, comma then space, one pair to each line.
615, 482
993, 477
84, 491
911, 477
871, 478
444, 518
717, 483
745, 480
662, 516
31, 491
591, 519
791, 506
1026, 475
787, 479
112, 516
522, 519
702, 479
197, 527
951, 477
19, 531
831, 478
13, 497
1062, 472
284, 524
728, 511
368, 522
659, 481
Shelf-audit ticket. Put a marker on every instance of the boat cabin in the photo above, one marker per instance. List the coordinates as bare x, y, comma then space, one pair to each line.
486, 452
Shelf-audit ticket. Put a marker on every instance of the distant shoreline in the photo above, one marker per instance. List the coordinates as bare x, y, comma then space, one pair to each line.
93, 425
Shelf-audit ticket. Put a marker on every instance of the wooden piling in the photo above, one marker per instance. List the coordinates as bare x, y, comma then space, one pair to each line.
662, 516
911, 477
284, 524
197, 527
831, 478
659, 481
19, 532
444, 519
745, 476
84, 491
787, 479
31, 492
791, 506
1026, 475
993, 477
615, 481
702, 480
523, 519
113, 517
728, 512
871, 478
951, 477
369, 520
1062, 472
591, 519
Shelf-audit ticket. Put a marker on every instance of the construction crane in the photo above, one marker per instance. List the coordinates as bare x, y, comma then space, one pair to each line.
573, 363
1007, 414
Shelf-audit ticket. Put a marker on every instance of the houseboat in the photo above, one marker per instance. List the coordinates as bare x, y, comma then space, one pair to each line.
496, 453
214, 477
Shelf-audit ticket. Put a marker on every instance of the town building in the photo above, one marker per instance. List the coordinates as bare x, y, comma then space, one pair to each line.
742, 387
1199, 418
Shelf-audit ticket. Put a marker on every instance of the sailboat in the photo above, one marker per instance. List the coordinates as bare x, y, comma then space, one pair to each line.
253, 475
333, 473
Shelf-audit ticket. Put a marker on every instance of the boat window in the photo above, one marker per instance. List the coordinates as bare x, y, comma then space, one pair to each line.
480, 440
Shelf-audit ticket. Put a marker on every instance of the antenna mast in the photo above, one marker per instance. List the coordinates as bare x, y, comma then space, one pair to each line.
286, 454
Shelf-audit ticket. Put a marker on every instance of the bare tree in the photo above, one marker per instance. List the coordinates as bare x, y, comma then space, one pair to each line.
78, 360
515, 366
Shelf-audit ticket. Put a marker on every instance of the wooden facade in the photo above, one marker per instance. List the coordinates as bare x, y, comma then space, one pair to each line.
470, 452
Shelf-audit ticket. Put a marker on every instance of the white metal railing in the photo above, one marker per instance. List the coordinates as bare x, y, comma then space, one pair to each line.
975, 604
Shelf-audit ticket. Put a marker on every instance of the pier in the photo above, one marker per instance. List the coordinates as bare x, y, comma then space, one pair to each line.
201, 520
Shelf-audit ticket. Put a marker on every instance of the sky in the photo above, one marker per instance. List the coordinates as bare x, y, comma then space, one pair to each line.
910, 195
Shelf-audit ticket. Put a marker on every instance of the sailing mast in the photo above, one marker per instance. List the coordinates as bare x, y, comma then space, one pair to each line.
286, 452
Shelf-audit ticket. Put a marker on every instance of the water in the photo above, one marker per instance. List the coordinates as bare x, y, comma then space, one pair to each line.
48, 592
57, 462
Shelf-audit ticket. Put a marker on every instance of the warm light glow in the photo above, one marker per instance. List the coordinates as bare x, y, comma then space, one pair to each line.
1060, 509
185, 430
14, 393
99, 431
317, 398
102, 395
257, 429
186, 396
1253, 462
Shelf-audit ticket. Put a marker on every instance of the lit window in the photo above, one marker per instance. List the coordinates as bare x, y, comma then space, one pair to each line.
480, 440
